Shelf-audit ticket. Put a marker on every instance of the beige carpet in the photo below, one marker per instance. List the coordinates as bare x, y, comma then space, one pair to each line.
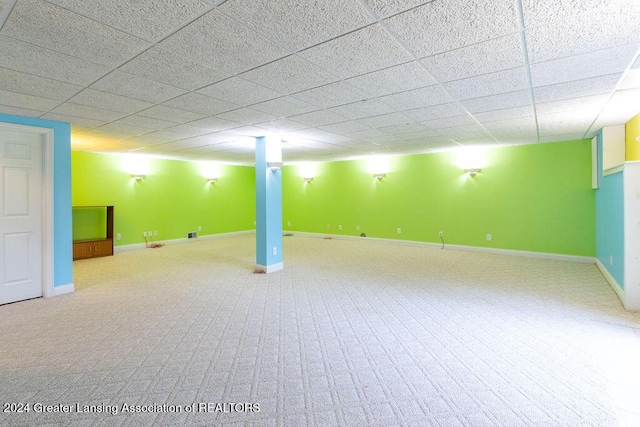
350, 333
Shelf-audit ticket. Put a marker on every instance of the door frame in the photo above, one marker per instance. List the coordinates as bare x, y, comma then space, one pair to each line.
47, 201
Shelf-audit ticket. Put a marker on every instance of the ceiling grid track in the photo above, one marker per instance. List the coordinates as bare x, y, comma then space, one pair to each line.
527, 64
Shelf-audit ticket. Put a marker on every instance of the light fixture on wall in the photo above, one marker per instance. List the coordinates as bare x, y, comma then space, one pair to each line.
274, 166
638, 138
308, 179
137, 177
212, 180
379, 175
472, 171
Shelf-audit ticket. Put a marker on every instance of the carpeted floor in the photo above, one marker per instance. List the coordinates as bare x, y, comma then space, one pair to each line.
350, 333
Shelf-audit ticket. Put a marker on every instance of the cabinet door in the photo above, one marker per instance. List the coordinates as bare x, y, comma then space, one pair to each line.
82, 250
103, 248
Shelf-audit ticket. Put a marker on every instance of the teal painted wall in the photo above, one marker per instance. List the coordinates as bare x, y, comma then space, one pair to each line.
531, 198
62, 248
174, 198
610, 220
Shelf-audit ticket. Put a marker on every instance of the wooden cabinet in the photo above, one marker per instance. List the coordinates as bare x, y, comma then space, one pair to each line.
99, 246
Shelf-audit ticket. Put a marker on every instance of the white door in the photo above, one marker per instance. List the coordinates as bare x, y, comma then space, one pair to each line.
21, 165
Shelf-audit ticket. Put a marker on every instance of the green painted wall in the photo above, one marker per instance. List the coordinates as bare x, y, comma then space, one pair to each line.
530, 197
173, 199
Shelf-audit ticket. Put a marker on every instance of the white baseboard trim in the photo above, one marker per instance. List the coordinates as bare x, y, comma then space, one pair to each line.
270, 268
612, 282
135, 246
64, 289
528, 254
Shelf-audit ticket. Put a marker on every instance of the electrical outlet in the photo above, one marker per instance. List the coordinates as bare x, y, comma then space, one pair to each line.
199, 228
440, 233
488, 237
288, 223
254, 223
275, 251
399, 230
610, 259
149, 233
340, 227
328, 226
144, 234
357, 228
155, 233
118, 236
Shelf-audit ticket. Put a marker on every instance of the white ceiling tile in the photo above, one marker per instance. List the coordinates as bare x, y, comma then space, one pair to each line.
38, 22
590, 105
250, 131
215, 40
297, 24
362, 109
384, 8
576, 88
288, 75
109, 101
110, 134
157, 137
145, 122
202, 104
631, 80
367, 134
132, 86
447, 122
461, 132
399, 78
247, 116
417, 98
29, 84
636, 64
345, 127
28, 102
330, 95
162, 112
359, 52
76, 110
489, 84
504, 114
483, 141
147, 19
239, 91
215, 124
622, 106
284, 107
28, 58
418, 134
385, 120
17, 111
435, 112
282, 125
487, 57
562, 137
173, 69
501, 101
187, 131
579, 27
318, 118
442, 26
84, 123
319, 135
404, 128
130, 130
517, 126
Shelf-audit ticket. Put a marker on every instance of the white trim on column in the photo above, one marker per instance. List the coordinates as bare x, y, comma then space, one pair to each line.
270, 268
64, 289
47, 201
612, 282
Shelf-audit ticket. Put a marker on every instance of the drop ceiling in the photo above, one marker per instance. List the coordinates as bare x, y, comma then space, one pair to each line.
333, 79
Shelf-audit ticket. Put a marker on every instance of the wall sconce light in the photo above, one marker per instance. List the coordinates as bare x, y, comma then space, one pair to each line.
379, 175
308, 179
638, 138
274, 166
212, 180
472, 171
137, 177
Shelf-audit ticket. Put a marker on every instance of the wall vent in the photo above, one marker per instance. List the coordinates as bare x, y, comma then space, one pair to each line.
192, 235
